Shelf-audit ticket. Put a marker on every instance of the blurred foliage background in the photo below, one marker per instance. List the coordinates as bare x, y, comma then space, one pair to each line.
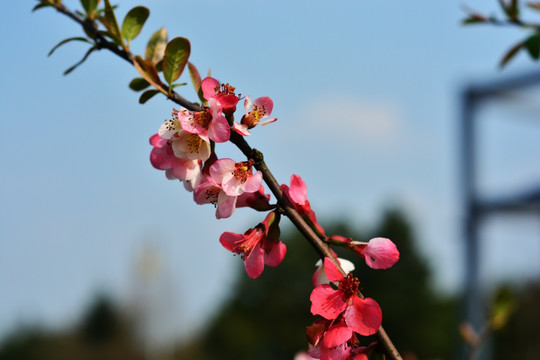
265, 318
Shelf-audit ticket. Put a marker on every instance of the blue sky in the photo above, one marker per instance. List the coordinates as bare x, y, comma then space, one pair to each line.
366, 97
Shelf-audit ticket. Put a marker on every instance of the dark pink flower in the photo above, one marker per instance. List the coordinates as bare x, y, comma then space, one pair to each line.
224, 94
362, 315
258, 246
297, 194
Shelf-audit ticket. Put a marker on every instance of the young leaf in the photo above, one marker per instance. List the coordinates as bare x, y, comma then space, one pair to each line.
196, 80
147, 95
41, 5
148, 71
110, 22
510, 54
66, 41
177, 85
155, 49
175, 59
133, 22
89, 6
138, 84
533, 46
81, 61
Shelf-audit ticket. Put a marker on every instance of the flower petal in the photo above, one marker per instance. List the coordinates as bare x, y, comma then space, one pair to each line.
276, 254
364, 316
298, 190
253, 182
381, 253
209, 87
332, 271
327, 302
225, 205
254, 263
336, 335
221, 168
219, 129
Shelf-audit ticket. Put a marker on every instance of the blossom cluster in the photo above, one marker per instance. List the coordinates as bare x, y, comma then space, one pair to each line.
184, 148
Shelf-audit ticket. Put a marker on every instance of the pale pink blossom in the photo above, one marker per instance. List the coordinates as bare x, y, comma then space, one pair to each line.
256, 111
162, 157
236, 178
210, 192
209, 123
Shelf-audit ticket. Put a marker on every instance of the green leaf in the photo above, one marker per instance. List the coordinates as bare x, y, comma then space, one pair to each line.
175, 59
148, 71
177, 85
147, 95
81, 61
66, 41
90, 6
155, 49
134, 21
474, 19
533, 46
110, 22
39, 6
196, 80
138, 84
510, 54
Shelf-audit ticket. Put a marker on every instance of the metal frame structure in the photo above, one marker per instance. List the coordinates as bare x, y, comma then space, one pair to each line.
475, 208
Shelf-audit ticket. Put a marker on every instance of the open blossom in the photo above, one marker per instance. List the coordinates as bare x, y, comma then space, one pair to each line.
297, 194
258, 246
211, 192
256, 111
223, 94
162, 157
379, 253
209, 123
363, 316
236, 178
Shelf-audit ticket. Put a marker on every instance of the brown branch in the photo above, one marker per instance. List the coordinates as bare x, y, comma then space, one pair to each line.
319, 245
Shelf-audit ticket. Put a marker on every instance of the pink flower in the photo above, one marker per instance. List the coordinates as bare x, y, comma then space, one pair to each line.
379, 253
224, 94
256, 111
236, 178
361, 315
258, 246
208, 123
162, 157
210, 192
297, 194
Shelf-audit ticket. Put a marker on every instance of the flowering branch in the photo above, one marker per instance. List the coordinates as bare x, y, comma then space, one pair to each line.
192, 131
